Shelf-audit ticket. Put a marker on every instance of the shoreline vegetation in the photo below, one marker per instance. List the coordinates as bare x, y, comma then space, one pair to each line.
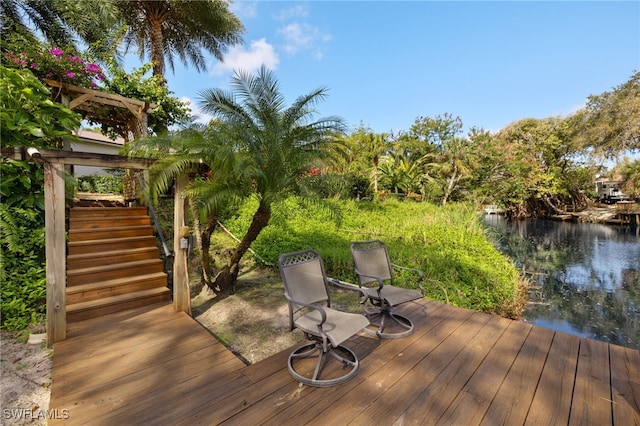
449, 244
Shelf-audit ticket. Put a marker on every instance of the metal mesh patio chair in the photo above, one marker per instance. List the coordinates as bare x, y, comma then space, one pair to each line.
307, 292
375, 278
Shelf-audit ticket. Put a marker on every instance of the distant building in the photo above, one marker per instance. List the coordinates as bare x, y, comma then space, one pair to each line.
608, 191
95, 143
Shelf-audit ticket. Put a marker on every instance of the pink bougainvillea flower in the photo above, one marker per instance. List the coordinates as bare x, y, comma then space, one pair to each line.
93, 84
56, 52
93, 68
34, 65
70, 74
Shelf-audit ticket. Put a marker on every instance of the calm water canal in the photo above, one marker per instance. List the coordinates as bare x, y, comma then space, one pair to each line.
585, 277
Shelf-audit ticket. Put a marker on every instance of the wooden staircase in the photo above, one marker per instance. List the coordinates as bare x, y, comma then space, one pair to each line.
113, 263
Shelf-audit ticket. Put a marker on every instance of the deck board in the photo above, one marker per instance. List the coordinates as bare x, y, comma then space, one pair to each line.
511, 404
625, 385
459, 367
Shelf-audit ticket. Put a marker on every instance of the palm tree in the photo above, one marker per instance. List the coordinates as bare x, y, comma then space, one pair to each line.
451, 164
274, 146
60, 22
164, 29
400, 172
215, 181
376, 146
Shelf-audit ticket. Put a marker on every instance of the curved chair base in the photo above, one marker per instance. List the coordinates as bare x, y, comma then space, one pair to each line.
389, 319
342, 354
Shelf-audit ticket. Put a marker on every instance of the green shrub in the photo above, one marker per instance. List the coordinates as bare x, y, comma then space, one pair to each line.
339, 186
100, 184
448, 244
22, 256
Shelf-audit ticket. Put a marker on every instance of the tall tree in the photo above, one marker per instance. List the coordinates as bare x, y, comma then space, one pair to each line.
275, 145
428, 134
366, 149
60, 22
451, 164
399, 171
164, 29
610, 122
539, 171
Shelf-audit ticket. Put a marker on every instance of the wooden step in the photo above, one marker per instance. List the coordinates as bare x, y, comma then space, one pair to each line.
78, 212
109, 233
114, 287
108, 222
109, 305
113, 271
110, 244
87, 260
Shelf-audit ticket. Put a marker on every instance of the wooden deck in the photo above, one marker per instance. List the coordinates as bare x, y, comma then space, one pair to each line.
460, 367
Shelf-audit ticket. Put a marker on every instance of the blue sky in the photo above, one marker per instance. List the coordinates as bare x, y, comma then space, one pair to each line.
387, 62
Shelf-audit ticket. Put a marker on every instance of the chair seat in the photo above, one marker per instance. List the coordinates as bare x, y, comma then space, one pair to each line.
393, 295
338, 327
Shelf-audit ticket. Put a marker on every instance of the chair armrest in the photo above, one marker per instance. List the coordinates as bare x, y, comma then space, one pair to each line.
417, 271
320, 309
378, 279
346, 285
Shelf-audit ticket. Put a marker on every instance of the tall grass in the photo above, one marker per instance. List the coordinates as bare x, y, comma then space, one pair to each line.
448, 244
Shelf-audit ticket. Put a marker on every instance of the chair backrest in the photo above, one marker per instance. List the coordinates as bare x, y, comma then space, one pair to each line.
304, 280
371, 259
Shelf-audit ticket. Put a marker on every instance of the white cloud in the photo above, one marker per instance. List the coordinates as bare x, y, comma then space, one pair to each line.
259, 53
302, 36
244, 9
200, 117
295, 11
297, 36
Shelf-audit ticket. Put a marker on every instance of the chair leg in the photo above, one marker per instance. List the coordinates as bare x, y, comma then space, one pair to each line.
342, 354
389, 319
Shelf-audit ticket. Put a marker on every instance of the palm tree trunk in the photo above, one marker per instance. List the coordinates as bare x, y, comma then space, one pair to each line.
157, 53
228, 275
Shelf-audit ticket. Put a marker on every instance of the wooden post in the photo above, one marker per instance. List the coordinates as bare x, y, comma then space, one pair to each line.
181, 294
54, 223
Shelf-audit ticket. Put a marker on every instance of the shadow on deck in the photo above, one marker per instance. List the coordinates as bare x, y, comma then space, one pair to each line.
460, 367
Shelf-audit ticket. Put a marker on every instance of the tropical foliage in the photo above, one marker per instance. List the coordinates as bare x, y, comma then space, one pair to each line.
27, 118
260, 148
258, 152
164, 29
64, 23
449, 244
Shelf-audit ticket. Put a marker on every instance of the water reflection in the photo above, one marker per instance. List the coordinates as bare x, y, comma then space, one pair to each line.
585, 277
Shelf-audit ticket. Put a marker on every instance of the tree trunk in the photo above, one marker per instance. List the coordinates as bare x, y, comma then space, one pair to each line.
375, 175
452, 184
552, 206
205, 239
157, 52
228, 275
